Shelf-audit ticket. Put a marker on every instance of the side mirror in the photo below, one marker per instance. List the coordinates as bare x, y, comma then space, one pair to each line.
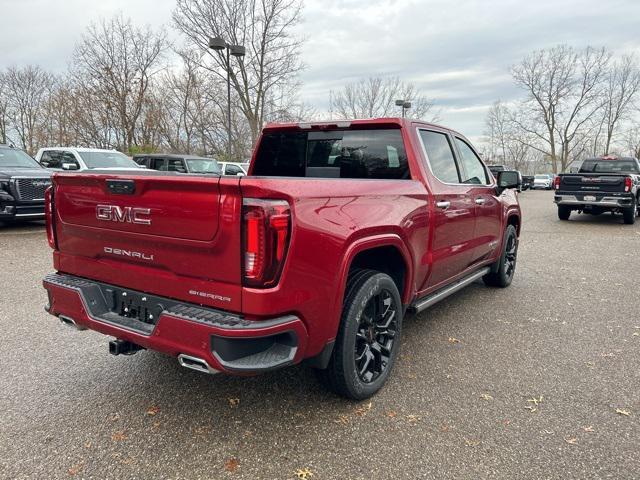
509, 179
239, 174
69, 166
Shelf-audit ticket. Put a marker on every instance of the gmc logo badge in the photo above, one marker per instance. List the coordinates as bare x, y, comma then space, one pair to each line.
115, 213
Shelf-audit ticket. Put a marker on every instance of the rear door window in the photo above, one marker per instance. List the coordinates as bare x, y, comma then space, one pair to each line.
440, 156
473, 171
375, 154
176, 165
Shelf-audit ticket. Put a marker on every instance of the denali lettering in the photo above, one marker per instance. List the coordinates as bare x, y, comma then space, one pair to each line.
128, 253
115, 213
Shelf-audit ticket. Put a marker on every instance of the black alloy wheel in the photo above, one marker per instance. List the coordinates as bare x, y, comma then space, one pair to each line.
376, 336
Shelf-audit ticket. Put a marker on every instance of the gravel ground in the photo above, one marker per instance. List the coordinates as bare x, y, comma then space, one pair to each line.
541, 380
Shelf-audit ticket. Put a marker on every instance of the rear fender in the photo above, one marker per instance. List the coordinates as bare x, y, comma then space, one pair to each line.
367, 243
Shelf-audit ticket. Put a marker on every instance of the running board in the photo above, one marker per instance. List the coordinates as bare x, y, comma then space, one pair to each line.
425, 302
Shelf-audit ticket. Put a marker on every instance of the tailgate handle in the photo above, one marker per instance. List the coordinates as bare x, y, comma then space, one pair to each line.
121, 187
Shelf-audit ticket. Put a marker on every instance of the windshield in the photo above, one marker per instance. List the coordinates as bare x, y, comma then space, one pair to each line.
609, 166
107, 160
202, 165
12, 157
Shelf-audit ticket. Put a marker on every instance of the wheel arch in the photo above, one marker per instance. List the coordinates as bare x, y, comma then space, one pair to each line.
385, 253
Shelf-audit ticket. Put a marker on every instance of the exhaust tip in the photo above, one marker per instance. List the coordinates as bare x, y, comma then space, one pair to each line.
195, 363
70, 322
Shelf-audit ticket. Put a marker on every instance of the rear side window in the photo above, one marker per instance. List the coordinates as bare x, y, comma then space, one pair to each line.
474, 171
440, 156
333, 154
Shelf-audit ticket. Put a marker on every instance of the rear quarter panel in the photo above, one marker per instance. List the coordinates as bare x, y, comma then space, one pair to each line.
333, 219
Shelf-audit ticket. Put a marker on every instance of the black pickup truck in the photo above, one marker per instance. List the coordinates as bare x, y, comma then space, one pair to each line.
604, 184
22, 185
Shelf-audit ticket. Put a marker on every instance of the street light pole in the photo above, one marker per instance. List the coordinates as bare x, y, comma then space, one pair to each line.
404, 105
218, 43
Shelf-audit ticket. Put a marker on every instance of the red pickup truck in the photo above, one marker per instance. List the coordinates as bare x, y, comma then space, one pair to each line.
339, 230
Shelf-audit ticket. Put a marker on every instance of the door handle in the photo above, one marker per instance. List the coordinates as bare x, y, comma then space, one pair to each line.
480, 201
443, 204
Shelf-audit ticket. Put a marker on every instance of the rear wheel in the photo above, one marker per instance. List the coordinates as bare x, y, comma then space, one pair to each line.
368, 336
503, 270
564, 212
629, 215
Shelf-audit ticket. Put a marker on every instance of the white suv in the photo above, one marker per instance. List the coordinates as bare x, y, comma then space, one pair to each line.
72, 158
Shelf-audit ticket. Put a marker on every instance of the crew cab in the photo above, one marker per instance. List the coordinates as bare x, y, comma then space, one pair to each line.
604, 184
339, 229
22, 185
80, 159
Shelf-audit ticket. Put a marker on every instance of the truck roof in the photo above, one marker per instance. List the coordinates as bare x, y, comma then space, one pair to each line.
379, 122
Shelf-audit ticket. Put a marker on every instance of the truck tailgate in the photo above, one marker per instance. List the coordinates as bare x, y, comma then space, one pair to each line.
171, 235
593, 182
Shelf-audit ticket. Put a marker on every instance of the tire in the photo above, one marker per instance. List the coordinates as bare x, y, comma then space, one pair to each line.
502, 271
564, 212
368, 337
629, 215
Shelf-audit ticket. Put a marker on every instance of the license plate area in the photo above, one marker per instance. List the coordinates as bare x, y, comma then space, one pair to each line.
589, 198
134, 305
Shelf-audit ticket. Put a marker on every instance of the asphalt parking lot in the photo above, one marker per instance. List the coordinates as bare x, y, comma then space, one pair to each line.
541, 380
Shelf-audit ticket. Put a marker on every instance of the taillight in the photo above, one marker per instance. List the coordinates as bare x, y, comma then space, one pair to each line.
266, 230
556, 183
628, 184
49, 213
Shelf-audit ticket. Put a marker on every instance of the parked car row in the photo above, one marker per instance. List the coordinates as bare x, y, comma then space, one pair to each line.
23, 179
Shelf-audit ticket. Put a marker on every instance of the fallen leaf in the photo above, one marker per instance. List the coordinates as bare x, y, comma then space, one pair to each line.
536, 401
231, 465
343, 419
620, 411
391, 414
588, 429
531, 408
234, 402
304, 474
453, 340
471, 443
636, 334
571, 441
362, 410
87, 445
75, 469
153, 410
444, 428
118, 436
413, 419
486, 396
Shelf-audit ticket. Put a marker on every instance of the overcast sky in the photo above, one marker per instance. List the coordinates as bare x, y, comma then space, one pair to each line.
458, 53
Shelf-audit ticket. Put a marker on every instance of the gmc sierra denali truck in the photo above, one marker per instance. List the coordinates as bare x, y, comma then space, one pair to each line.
339, 230
22, 185
604, 184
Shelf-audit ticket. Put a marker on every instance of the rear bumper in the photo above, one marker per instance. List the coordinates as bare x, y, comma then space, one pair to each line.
227, 342
602, 200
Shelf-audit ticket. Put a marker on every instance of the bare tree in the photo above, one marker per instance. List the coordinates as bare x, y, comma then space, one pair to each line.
633, 141
4, 109
265, 28
564, 92
622, 85
509, 144
375, 97
28, 89
116, 62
